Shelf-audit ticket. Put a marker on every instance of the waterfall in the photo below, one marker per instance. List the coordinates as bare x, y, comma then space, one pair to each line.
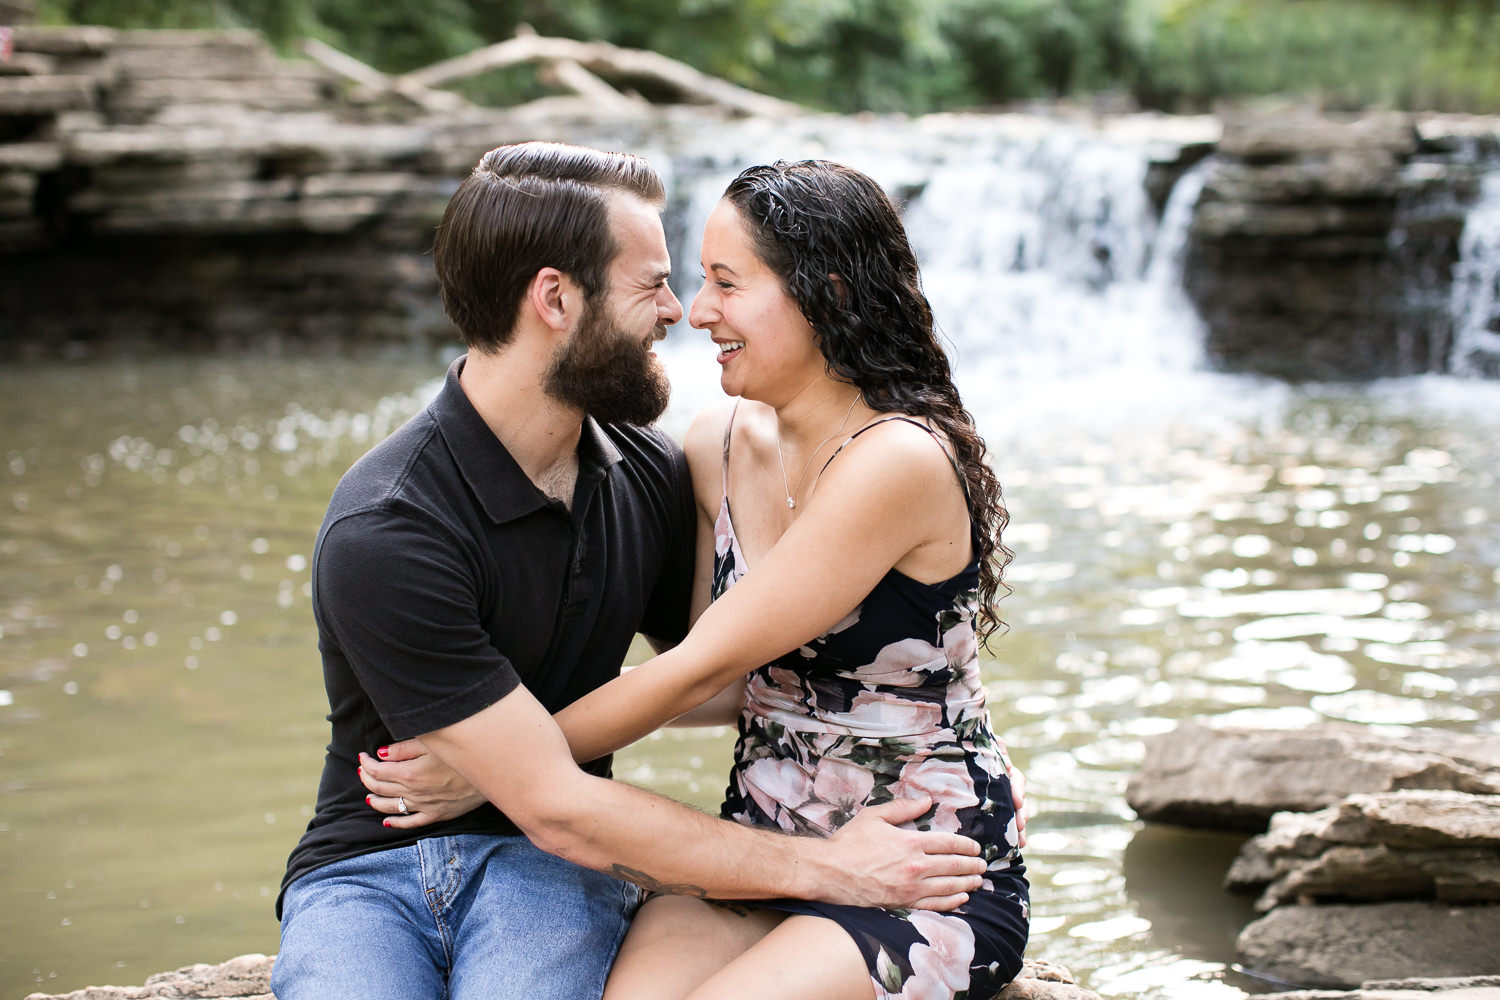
1476, 288
1049, 261
1041, 251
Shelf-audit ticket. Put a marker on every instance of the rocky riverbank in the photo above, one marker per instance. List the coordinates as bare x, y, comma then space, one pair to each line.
1469, 988
193, 186
1380, 859
1324, 247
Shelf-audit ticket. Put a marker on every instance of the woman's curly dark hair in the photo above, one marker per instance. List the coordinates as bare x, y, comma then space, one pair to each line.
837, 243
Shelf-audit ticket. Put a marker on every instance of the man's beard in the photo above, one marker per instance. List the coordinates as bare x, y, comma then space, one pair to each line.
608, 374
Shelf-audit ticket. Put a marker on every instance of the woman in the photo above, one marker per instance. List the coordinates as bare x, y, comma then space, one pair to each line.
859, 567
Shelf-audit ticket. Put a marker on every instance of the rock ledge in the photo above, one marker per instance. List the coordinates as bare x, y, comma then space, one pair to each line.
248, 977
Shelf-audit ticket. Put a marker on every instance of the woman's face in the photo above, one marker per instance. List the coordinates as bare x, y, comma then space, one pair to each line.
767, 351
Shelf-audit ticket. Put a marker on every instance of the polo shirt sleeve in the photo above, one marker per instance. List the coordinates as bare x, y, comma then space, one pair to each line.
667, 608
400, 598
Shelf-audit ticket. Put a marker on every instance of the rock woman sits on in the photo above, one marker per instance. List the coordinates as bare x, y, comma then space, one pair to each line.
849, 565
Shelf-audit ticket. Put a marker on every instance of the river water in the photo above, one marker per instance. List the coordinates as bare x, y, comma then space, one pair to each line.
1189, 545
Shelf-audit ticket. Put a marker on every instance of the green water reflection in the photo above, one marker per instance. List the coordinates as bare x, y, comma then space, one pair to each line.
1261, 554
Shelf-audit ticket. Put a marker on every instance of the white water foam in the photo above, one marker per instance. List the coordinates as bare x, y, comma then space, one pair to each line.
1476, 287
1041, 252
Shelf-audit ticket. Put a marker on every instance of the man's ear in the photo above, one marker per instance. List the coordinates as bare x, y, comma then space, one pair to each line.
554, 298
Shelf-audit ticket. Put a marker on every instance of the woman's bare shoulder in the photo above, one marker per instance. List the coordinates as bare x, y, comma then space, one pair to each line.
705, 435
893, 463
704, 447
906, 441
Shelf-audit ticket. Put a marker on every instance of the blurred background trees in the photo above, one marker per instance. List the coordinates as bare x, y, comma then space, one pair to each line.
926, 55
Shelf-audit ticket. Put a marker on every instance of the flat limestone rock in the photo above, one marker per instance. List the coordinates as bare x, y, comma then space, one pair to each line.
1346, 946
38, 95
1462, 988
1473, 988
1236, 778
1042, 980
1391, 846
1300, 136
77, 40
248, 977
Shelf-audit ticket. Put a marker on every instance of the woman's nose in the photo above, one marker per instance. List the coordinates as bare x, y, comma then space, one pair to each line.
702, 311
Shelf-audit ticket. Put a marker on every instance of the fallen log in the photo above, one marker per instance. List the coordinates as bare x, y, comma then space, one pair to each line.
375, 84
604, 59
570, 76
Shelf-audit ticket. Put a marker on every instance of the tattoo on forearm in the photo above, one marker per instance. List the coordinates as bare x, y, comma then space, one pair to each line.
645, 881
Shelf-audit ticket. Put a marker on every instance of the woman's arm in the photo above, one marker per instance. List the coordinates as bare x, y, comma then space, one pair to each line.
720, 710
871, 508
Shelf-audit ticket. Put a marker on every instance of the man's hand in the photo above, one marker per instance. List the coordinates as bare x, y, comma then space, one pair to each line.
407, 775
876, 863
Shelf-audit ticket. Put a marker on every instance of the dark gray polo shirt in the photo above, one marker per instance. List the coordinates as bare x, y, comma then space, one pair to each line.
443, 578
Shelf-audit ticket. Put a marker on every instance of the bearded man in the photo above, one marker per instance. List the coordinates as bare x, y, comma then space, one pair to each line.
490, 563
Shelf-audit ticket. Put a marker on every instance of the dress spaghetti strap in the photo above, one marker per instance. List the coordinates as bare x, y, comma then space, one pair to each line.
962, 481
728, 429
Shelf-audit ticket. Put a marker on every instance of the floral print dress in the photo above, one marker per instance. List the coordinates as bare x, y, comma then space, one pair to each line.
887, 704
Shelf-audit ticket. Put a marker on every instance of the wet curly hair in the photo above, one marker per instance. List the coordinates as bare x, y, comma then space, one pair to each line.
837, 243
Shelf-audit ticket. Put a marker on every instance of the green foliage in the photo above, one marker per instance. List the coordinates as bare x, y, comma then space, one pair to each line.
921, 55
396, 37
1428, 54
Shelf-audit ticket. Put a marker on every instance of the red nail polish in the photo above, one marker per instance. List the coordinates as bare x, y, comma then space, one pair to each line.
385, 822
367, 800
359, 770
383, 752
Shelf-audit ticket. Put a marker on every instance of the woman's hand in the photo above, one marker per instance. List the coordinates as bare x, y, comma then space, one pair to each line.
407, 775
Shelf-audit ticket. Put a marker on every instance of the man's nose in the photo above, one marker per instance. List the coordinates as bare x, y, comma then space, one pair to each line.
671, 310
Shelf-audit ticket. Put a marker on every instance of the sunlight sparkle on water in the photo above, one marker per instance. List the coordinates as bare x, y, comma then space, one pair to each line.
1168, 979
1293, 626
1375, 708
1285, 602
1113, 929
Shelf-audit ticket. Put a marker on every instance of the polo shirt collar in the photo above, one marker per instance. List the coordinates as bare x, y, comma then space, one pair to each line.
502, 488
597, 446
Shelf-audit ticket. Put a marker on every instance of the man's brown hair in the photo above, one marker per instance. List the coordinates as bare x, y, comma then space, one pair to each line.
523, 208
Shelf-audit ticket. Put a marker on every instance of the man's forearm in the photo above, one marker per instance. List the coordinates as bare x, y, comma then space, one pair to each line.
516, 756
666, 846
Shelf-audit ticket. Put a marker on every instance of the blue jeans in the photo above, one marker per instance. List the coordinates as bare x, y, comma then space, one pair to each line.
451, 918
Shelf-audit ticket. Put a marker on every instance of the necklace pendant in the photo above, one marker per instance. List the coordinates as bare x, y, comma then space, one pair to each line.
791, 504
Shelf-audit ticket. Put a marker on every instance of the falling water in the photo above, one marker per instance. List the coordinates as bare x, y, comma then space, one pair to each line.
1041, 251
1476, 288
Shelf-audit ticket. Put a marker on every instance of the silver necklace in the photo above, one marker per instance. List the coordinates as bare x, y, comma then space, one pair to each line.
791, 502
